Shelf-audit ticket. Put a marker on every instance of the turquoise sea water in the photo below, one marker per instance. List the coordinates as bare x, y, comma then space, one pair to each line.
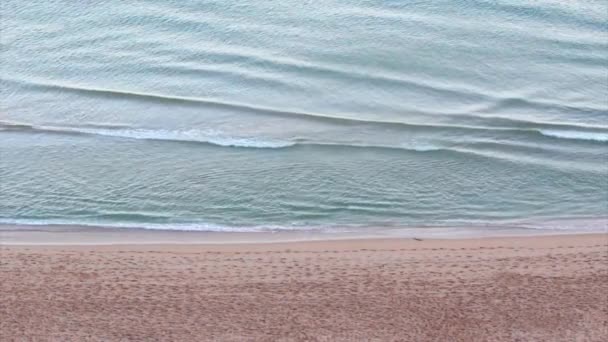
252, 115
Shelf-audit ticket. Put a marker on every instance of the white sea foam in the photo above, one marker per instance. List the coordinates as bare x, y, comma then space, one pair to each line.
191, 135
208, 136
179, 226
595, 136
456, 229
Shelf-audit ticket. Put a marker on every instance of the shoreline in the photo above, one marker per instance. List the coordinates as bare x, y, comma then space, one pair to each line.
538, 243
98, 235
542, 288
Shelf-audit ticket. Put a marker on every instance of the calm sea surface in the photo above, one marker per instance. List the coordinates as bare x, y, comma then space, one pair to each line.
250, 115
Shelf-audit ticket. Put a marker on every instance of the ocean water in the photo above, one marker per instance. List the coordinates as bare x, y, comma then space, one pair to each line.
255, 115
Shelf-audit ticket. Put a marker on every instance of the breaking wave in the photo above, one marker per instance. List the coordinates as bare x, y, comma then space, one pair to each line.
211, 137
595, 136
191, 135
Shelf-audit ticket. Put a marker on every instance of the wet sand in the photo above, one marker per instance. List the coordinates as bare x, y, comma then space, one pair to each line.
543, 288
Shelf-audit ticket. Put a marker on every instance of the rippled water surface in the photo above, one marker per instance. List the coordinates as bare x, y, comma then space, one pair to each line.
248, 115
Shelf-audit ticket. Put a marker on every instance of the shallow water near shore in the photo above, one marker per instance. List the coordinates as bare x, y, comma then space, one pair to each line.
253, 116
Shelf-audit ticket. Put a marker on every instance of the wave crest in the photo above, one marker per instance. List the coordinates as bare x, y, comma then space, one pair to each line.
192, 135
578, 135
208, 136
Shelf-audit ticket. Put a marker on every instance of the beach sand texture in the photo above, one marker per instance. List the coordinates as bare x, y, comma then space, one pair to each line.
552, 288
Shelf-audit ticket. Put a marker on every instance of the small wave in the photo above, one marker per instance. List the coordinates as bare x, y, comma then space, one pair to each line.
209, 136
192, 135
451, 228
135, 225
583, 223
511, 103
494, 121
216, 138
594, 136
411, 147
234, 106
476, 123
179, 226
200, 136
500, 151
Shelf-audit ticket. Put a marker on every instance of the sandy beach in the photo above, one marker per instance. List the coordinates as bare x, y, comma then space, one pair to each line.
545, 288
